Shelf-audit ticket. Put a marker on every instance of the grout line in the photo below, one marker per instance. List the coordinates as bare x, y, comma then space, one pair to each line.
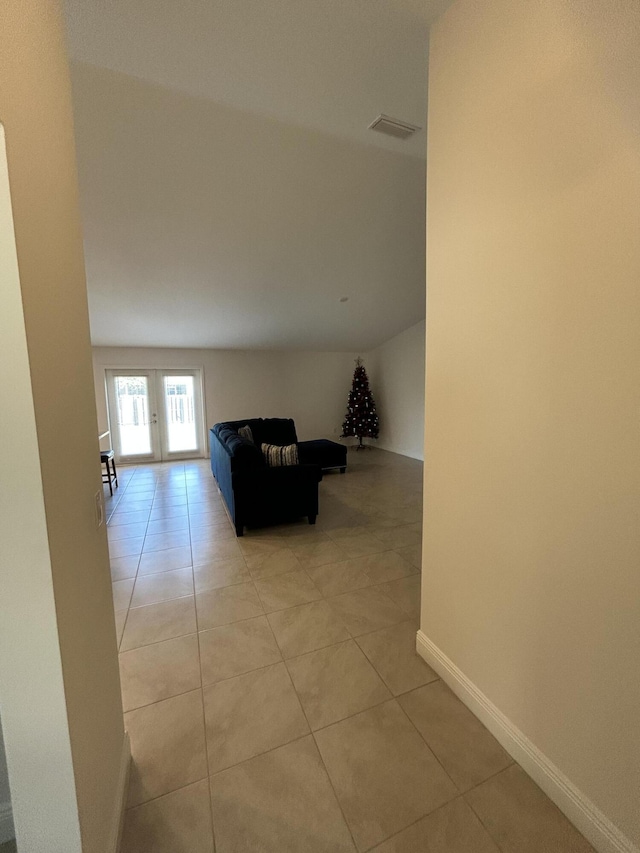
135, 577
162, 600
355, 713
163, 571
315, 742
158, 643
492, 776
206, 747
168, 793
393, 693
242, 674
424, 740
204, 715
335, 793
404, 829
260, 754
480, 820
164, 699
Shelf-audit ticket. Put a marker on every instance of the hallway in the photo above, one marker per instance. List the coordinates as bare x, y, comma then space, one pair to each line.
271, 688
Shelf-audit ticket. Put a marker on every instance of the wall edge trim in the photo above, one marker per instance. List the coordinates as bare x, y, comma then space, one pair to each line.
122, 791
584, 814
6, 823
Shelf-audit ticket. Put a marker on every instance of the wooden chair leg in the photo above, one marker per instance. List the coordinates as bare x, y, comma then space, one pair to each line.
109, 478
115, 475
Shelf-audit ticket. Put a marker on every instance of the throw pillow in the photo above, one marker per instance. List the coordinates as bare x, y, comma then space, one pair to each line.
245, 432
276, 456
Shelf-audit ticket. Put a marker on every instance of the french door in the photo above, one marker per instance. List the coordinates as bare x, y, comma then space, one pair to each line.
155, 415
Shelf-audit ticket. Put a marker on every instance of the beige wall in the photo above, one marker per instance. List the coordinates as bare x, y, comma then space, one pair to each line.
59, 684
532, 483
310, 387
317, 386
396, 374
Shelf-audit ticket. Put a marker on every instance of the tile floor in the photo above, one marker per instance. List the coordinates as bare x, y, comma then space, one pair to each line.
271, 688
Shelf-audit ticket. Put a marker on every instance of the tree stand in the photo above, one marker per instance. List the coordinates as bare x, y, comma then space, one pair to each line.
361, 446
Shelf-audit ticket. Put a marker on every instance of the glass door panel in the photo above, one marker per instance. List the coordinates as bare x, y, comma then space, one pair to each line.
180, 417
155, 414
132, 399
132, 415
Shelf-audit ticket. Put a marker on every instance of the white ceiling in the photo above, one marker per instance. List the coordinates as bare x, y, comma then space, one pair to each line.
217, 139
331, 65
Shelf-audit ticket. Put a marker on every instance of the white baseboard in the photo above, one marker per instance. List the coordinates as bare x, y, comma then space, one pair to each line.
387, 449
121, 796
6, 823
591, 822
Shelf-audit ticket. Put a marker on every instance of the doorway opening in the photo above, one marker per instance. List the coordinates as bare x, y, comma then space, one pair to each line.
155, 415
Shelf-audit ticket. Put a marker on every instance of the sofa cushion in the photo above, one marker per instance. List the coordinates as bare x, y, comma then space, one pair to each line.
277, 456
245, 432
245, 455
234, 426
225, 433
279, 431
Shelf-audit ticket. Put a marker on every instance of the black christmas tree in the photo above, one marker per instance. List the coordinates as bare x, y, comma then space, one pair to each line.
361, 418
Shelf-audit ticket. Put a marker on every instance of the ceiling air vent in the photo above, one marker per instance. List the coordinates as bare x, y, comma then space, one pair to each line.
393, 127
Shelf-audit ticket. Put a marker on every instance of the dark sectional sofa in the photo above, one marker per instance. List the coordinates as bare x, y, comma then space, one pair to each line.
256, 494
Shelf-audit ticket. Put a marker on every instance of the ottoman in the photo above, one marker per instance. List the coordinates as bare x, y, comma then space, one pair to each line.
327, 454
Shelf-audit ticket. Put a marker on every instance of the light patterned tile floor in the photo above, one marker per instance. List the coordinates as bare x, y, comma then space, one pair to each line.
273, 695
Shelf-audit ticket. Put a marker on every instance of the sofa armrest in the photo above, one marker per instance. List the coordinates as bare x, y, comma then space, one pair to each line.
269, 495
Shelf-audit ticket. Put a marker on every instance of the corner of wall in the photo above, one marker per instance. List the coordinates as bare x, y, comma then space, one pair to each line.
397, 371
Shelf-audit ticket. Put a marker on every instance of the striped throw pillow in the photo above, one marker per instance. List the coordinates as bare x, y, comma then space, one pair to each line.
276, 456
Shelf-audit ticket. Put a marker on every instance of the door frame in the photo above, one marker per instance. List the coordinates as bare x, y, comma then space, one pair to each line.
161, 454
